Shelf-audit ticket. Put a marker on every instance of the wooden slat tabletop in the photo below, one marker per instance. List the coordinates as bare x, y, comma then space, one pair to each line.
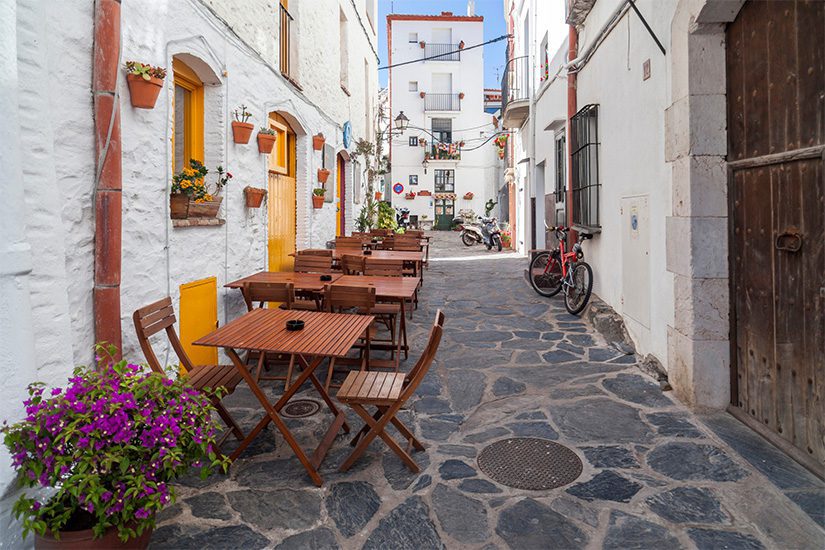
383, 254
385, 287
324, 334
302, 281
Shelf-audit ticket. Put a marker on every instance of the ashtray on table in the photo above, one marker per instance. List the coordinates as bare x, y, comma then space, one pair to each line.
326, 277
367, 252
294, 324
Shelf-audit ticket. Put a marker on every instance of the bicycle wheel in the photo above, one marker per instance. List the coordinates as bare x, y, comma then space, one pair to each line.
497, 242
577, 295
546, 280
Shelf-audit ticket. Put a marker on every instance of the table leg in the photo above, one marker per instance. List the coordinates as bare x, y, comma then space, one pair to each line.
403, 333
271, 415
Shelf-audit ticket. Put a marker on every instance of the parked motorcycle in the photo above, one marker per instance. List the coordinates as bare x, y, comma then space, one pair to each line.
487, 232
402, 217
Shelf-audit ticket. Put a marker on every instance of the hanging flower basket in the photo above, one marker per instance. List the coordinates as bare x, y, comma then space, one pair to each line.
145, 83
323, 175
318, 197
178, 206
242, 131
410, 196
424, 193
318, 141
266, 141
468, 196
254, 196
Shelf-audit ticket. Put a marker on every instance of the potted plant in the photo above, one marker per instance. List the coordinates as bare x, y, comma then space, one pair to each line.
254, 196
461, 95
323, 175
505, 239
318, 197
266, 140
461, 45
410, 195
425, 193
204, 204
186, 184
145, 82
422, 94
104, 451
318, 141
378, 195
422, 44
468, 196
241, 127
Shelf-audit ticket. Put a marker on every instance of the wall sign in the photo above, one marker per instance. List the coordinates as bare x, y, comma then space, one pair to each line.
347, 134
398, 188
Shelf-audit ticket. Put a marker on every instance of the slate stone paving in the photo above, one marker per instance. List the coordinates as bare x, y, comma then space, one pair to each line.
511, 364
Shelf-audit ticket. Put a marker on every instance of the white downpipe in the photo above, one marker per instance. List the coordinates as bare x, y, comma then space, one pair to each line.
578, 63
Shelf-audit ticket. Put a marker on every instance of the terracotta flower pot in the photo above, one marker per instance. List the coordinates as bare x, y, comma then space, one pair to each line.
178, 206
317, 201
422, 94
468, 196
318, 141
254, 196
377, 196
424, 193
266, 142
84, 540
422, 44
461, 95
143, 93
208, 209
461, 45
323, 175
242, 131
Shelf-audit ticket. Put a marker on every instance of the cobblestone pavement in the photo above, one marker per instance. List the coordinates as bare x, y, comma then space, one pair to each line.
511, 364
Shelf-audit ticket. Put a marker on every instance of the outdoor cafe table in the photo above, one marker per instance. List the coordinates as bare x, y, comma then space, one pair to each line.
303, 281
394, 289
325, 335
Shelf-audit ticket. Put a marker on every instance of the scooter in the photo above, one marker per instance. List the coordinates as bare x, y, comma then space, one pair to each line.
402, 217
489, 234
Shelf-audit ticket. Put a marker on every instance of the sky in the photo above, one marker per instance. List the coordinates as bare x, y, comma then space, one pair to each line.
494, 26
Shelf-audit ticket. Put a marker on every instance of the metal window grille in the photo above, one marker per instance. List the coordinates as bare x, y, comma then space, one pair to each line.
584, 164
413, 141
443, 129
442, 52
445, 181
561, 166
442, 102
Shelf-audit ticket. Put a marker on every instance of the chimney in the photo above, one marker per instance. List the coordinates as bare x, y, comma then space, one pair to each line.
471, 7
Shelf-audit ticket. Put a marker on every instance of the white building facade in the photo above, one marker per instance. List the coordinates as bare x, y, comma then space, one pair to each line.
445, 162
271, 57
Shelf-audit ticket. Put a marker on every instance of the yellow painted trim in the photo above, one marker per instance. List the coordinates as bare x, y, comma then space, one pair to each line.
198, 309
187, 79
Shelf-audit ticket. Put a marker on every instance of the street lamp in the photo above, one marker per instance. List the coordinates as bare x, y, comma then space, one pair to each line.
401, 121
425, 163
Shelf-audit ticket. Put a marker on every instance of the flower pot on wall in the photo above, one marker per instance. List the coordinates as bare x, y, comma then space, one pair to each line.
468, 196
424, 193
461, 95
422, 44
206, 209
318, 141
266, 142
323, 175
178, 206
254, 196
143, 93
422, 94
317, 201
378, 195
242, 131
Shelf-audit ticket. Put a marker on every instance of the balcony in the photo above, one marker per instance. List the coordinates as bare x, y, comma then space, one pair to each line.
443, 151
515, 92
442, 102
442, 52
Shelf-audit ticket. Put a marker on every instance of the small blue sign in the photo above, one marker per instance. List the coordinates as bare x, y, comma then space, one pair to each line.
634, 222
347, 134
398, 188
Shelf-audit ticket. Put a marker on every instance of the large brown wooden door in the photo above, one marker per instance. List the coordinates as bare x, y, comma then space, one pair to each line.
776, 133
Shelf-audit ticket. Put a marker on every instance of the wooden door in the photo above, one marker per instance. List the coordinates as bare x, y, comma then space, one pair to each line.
281, 203
341, 194
776, 133
444, 213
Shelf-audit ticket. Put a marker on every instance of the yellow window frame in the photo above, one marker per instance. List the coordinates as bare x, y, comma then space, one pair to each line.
193, 132
279, 159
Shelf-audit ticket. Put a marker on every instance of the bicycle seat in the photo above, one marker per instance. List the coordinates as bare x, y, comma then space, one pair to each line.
586, 235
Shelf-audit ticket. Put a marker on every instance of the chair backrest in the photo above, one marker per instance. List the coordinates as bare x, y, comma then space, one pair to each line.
419, 371
150, 320
352, 264
268, 292
363, 235
341, 297
315, 252
383, 267
311, 263
407, 245
417, 233
349, 243
381, 232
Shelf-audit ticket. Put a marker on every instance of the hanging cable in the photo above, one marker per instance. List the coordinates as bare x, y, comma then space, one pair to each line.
499, 39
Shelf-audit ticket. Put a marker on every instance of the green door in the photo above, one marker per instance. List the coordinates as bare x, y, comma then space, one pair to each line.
444, 213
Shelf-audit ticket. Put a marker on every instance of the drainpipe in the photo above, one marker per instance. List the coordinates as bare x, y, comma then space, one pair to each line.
572, 108
108, 178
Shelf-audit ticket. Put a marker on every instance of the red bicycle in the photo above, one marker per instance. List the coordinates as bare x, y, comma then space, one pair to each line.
557, 269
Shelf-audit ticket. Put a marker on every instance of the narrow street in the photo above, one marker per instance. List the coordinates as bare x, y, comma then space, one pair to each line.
511, 364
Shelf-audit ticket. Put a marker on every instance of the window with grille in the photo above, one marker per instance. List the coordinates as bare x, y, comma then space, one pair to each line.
443, 129
413, 141
445, 181
584, 166
561, 166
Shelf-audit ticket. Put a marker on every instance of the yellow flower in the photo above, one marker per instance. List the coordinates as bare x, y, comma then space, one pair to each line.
185, 184
208, 197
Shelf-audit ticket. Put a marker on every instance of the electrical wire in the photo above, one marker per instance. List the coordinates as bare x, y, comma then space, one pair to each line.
499, 39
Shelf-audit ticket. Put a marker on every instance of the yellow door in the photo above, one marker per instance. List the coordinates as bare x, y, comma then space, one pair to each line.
340, 193
281, 222
198, 317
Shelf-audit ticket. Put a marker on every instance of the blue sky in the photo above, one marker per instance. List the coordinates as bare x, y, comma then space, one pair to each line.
494, 26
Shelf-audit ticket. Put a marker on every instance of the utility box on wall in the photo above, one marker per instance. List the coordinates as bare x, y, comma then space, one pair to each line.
635, 259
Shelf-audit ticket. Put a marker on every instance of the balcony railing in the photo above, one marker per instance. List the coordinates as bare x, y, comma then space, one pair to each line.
444, 52
444, 151
515, 84
442, 102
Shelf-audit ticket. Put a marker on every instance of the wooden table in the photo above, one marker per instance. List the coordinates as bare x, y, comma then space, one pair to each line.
395, 289
302, 281
325, 335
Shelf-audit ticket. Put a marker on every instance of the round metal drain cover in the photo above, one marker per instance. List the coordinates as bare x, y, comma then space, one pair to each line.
301, 408
530, 463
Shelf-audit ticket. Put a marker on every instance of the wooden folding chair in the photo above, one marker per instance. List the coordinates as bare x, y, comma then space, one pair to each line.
349, 243
383, 267
340, 298
388, 392
263, 293
352, 264
313, 263
150, 320
315, 252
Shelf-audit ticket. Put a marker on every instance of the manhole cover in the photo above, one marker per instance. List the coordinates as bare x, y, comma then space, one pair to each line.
530, 463
300, 408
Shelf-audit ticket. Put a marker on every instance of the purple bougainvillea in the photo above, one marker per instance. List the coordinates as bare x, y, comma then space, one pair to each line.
107, 446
